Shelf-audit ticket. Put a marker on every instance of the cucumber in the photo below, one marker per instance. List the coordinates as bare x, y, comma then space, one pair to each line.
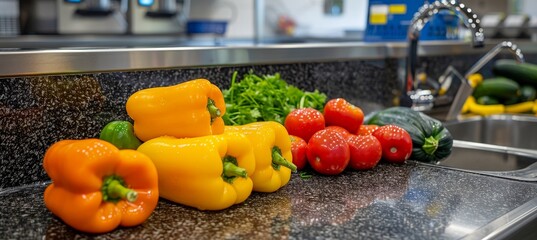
523, 73
431, 141
499, 87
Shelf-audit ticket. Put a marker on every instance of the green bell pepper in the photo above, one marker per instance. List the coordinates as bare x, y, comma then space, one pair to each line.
120, 134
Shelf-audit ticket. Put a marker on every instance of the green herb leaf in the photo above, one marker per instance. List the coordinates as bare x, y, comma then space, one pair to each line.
305, 175
265, 98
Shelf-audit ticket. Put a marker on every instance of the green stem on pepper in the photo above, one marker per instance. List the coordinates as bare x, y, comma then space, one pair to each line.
278, 160
231, 170
114, 189
213, 110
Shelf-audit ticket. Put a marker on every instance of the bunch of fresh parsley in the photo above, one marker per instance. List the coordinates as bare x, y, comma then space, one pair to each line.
265, 98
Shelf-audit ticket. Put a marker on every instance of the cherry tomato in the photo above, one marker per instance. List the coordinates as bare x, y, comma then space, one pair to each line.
328, 152
298, 149
304, 122
340, 130
341, 113
396, 143
365, 150
367, 129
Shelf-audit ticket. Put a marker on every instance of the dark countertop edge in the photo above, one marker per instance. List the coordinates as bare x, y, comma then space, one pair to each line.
66, 61
515, 224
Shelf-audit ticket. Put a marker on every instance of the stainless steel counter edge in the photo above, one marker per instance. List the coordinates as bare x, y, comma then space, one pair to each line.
513, 225
60, 61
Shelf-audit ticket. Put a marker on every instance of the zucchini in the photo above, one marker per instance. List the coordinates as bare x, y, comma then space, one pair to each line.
485, 110
523, 107
523, 73
527, 93
431, 141
510, 101
498, 87
487, 100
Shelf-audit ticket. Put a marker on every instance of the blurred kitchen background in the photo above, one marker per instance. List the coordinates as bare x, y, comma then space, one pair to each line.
145, 23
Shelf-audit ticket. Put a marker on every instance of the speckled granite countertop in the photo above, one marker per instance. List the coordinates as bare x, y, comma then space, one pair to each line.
409, 201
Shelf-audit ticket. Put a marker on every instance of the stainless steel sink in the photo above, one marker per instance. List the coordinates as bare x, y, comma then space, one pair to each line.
519, 131
497, 145
493, 160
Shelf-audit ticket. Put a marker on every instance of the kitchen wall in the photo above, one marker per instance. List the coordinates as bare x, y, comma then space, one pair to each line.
483, 6
309, 16
312, 20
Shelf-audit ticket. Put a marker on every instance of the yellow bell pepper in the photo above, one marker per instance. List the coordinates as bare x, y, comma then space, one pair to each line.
189, 109
272, 149
208, 173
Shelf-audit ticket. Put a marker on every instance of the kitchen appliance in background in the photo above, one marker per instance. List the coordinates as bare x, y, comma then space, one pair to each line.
92, 16
39, 17
158, 16
229, 20
9, 18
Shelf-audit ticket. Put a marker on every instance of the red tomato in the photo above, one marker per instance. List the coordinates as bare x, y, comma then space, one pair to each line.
396, 143
304, 122
367, 129
298, 149
365, 150
328, 152
340, 130
341, 113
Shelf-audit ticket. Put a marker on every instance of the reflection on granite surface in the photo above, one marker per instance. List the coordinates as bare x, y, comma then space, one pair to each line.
390, 202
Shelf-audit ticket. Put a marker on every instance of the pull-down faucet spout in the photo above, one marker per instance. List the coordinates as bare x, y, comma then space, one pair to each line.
469, 18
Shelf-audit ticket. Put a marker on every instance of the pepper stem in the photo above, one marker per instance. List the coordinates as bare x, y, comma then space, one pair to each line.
278, 160
430, 145
231, 170
114, 190
213, 110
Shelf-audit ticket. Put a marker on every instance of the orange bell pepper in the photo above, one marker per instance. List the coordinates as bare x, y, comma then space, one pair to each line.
97, 187
273, 157
189, 109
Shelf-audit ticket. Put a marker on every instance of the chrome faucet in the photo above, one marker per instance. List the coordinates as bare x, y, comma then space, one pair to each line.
465, 90
423, 99
513, 49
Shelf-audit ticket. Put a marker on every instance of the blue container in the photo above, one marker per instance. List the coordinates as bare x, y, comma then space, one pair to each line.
388, 20
206, 27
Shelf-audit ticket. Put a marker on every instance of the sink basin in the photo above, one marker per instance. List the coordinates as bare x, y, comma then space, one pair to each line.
497, 145
493, 160
477, 157
517, 131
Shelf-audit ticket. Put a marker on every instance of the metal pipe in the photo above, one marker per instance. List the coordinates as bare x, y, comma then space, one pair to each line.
259, 20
